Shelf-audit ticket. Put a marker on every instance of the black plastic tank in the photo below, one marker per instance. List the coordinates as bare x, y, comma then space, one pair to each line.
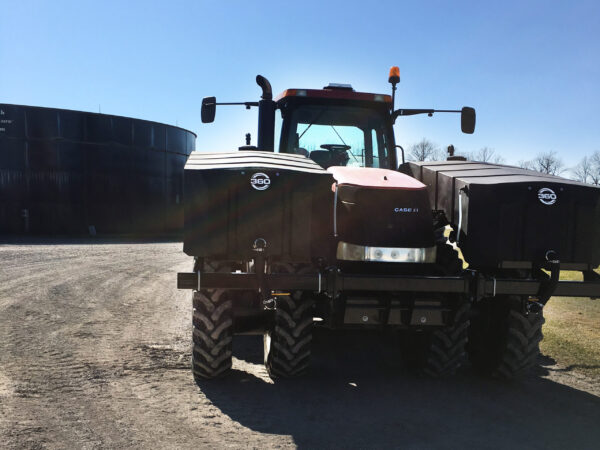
234, 199
509, 217
63, 172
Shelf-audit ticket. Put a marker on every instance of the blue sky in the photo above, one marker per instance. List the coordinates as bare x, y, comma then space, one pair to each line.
531, 69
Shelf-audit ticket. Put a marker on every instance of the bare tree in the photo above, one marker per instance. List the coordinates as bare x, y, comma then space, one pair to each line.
547, 162
526, 165
487, 154
424, 150
595, 172
588, 169
583, 170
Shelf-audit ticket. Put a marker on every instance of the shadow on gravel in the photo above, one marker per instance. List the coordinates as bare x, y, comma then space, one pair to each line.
357, 397
549, 361
87, 240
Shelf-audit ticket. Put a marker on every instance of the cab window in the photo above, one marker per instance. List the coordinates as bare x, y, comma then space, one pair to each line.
337, 135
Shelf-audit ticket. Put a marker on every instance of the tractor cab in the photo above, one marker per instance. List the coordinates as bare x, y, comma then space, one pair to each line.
333, 126
337, 126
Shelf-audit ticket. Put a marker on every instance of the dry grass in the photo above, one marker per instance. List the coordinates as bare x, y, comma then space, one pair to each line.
572, 331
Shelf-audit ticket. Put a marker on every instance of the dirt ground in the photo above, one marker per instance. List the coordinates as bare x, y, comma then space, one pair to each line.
95, 350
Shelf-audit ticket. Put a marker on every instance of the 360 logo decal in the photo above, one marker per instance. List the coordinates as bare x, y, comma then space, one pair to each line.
260, 181
547, 196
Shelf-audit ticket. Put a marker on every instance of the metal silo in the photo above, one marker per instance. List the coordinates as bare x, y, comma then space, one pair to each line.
63, 171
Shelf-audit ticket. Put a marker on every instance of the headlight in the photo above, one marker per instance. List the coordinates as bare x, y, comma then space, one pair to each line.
352, 252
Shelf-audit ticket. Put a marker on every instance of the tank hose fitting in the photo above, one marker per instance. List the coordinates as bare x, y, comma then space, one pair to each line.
549, 283
259, 247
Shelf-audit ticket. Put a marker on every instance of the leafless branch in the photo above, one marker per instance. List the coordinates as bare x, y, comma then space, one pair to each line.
424, 150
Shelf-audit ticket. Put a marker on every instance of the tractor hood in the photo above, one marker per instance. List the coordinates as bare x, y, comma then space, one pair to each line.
374, 178
380, 207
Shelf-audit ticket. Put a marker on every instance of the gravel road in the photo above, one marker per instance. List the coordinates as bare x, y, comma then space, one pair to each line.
95, 350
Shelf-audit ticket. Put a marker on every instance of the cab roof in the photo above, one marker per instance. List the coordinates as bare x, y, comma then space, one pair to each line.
335, 93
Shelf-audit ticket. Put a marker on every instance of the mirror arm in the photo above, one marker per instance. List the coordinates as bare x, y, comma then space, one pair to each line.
246, 104
412, 112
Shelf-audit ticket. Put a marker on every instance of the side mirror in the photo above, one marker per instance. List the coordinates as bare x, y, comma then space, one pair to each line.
209, 107
467, 120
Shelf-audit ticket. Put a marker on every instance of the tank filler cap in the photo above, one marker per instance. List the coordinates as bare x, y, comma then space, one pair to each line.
552, 256
259, 245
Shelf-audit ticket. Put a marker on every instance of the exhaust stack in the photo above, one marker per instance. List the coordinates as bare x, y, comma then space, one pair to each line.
266, 116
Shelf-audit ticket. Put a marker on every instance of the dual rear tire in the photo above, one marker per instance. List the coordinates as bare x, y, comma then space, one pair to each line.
500, 335
287, 344
287, 339
212, 333
501, 340
440, 352
505, 335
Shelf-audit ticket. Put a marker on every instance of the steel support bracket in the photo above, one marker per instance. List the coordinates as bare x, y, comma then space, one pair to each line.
591, 276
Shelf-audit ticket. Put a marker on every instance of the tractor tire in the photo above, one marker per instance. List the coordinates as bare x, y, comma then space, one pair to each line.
441, 352
212, 333
504, 340
287, 342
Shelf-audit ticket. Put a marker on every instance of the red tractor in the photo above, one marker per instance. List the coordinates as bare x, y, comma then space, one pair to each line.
332, 228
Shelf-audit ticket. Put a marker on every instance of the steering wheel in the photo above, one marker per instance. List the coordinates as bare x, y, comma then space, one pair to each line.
338, 154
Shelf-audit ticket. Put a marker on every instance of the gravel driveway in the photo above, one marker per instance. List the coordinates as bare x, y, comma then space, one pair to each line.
95, 351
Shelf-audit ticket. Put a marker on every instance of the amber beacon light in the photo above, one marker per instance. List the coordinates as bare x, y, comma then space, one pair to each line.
394, 79
394, 75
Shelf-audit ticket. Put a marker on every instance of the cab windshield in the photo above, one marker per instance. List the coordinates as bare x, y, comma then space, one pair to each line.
337, 135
